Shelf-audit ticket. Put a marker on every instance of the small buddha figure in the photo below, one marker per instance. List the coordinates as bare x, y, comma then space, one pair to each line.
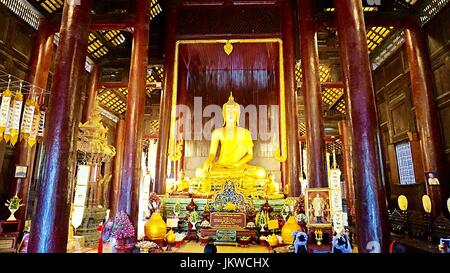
270, 190
182, 185
236, 150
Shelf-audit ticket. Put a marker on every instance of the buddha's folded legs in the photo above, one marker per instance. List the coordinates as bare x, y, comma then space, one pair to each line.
247, 170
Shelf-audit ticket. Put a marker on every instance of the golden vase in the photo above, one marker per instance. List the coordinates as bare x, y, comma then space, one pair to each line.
170, 237
273, 240
289, 227
155, 228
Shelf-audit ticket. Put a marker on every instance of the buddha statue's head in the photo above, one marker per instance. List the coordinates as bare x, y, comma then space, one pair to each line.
231, 112
181, 174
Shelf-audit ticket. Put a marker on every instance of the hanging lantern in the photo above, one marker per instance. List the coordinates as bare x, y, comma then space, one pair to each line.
27, 120
40, 132
35, 126
4, 110
12, 129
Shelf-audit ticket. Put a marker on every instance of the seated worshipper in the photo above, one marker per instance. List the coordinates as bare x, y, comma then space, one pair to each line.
300, 241
341, 244
108, 240
397, 247
210, 248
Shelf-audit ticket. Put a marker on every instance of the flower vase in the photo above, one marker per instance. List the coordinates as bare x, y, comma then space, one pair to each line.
121, 246
193, 225
11, 217
155, 228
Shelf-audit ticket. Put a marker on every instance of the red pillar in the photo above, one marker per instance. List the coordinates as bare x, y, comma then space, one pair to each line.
291, 166
50, 224
117, 167
426, 114
370, 202
94, 79
315, 146
166, 102
23, 154
134, 120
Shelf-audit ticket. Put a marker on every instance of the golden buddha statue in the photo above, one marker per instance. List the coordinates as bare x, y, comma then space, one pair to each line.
270, 190
236, 150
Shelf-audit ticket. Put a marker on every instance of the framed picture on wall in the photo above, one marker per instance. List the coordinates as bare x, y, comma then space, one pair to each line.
21, 171
432, 178
318, 208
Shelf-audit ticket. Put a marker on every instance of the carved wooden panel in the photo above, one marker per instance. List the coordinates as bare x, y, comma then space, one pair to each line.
394, 67
22, 40
241, 20
416, 153
441, 74
399, 117
379, 80
438, 35
4, 23
16, 44
445, 119
383, 112
4, 58
395, 179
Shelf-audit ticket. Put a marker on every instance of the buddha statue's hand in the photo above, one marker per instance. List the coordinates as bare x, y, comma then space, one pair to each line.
238, 164
207, 166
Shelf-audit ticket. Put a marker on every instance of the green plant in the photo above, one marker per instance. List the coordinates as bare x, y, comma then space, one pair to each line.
177, 208
194, 216
262, 218
14, 203
207, 206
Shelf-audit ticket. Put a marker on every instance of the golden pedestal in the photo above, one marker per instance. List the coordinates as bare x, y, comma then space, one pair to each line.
75, 243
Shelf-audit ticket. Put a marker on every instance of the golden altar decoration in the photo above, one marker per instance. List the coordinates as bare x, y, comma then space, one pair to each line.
230, 210
230, 199
93, 140
170, 237
181, 186
155, 228
288, 229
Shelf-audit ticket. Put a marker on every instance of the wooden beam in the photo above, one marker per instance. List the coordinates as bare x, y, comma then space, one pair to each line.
114, 85
98, 24
327, 84
150, 136
325, 138
110, 110
372, 19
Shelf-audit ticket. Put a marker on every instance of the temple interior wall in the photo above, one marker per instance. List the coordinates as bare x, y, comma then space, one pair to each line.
16, 47
396, 110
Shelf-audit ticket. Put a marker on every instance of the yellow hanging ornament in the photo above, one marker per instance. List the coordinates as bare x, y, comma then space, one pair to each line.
36, 118
27, 119
4, 110
40, 132
15, 119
